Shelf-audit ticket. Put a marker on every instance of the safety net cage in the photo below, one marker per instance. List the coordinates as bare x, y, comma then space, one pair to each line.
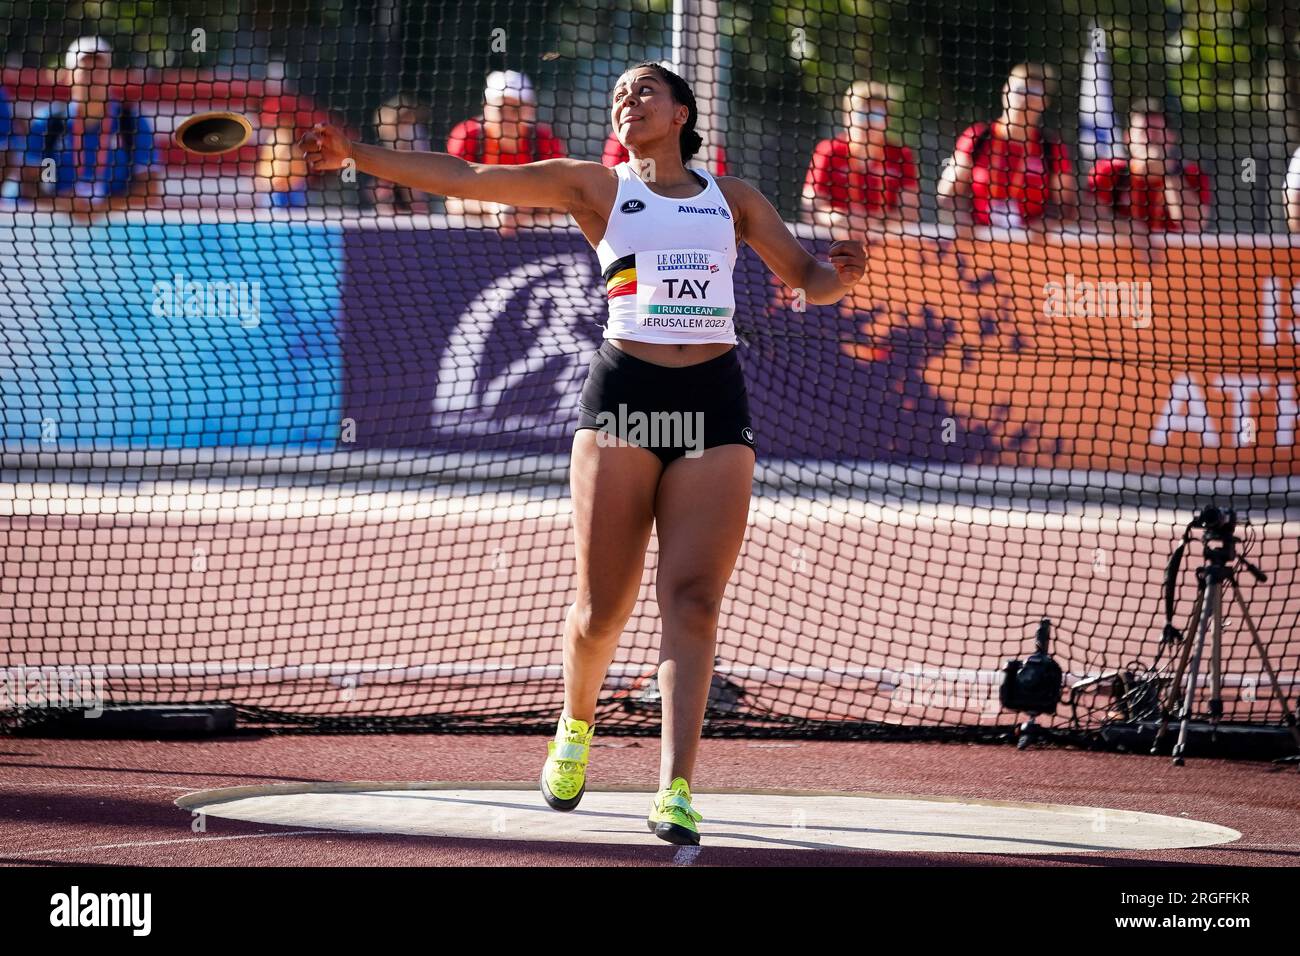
298, 442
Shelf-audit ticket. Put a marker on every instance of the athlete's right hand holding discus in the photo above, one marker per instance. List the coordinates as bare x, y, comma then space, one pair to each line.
667, 237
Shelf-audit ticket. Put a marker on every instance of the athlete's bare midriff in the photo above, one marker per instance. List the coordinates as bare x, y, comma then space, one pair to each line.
675, 356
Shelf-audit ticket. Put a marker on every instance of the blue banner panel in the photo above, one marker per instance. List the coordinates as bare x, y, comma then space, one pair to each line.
170, 335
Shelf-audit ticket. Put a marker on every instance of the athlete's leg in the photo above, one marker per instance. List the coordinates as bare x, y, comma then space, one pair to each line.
701, 512
613, 488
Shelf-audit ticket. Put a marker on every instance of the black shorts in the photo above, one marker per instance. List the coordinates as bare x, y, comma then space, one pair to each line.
673, 412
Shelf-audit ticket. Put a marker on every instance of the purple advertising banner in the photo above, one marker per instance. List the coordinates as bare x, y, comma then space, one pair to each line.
1075, 353
461, 340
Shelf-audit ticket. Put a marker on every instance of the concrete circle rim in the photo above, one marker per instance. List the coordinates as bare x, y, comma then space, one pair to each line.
197, 801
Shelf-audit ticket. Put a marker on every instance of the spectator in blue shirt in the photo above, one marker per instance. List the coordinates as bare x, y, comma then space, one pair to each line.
8, 189
101, 148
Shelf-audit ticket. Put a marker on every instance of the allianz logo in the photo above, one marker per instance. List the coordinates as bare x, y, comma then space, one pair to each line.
705, 210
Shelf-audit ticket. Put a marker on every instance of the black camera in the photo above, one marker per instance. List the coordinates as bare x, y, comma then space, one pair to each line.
1217, 522
1033, 685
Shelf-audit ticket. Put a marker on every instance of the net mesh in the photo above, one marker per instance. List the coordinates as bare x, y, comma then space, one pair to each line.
299, 442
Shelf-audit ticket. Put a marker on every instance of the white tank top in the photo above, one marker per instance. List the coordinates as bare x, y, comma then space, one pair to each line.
667, 264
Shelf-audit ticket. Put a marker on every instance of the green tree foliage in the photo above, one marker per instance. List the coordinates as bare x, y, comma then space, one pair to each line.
1223, 54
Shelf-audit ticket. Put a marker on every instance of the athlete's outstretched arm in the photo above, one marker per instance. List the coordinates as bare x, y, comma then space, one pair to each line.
550, 183
823, 282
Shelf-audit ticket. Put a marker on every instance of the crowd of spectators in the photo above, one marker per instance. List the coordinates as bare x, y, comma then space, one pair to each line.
91, 151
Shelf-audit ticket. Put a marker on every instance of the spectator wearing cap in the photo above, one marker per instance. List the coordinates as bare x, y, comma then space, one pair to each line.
862, 178
1154, 189
506, 133
402, 123
101, 147
1291, 194
1011, 172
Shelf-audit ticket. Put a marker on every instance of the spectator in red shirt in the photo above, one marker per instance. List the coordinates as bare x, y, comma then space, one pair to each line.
506, 134
862, 178
615, 152
1153, 189
1009, 173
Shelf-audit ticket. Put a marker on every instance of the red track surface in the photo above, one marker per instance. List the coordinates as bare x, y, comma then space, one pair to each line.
818, 594
68, 802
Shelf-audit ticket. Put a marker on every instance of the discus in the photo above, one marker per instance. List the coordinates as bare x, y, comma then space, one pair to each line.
210, 134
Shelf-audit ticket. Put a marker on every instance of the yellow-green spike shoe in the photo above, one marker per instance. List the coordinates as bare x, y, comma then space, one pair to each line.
672, 817
564, 775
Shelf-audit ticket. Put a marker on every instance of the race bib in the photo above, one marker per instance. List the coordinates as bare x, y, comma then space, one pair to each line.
686, 290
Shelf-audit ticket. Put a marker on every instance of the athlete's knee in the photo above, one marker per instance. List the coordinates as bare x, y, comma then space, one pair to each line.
597, 622
690, 602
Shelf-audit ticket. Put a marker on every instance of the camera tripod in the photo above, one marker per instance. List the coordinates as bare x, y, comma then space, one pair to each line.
1212, 580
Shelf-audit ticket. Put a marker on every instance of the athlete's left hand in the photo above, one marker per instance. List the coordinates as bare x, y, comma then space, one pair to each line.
849, 259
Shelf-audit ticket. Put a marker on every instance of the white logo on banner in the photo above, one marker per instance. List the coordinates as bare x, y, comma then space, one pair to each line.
558, 303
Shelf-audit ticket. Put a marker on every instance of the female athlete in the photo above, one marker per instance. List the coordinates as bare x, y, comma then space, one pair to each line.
666, 237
